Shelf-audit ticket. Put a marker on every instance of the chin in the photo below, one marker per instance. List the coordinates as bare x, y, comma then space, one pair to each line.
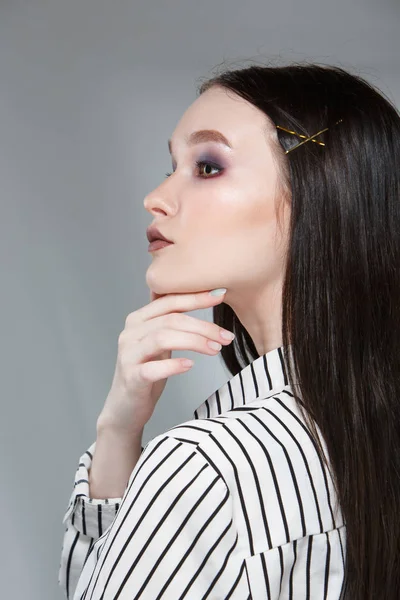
160, 285
164, 281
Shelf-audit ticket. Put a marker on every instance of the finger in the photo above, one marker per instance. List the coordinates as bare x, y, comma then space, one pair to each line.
176, 321
153, 371
165, 340
164, 303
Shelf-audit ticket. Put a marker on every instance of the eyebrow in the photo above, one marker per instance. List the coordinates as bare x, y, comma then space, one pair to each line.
204, 135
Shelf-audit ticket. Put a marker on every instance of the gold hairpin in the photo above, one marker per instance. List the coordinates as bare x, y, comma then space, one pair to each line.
307, 139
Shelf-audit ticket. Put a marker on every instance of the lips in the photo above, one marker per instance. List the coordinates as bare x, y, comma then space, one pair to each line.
158, 244
153, 233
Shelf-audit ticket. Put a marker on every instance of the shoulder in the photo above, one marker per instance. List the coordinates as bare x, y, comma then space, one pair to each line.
265, 456
266, 435
267, 447
263, 422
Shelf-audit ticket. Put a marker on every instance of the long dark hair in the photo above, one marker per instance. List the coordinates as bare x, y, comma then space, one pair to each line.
341, 294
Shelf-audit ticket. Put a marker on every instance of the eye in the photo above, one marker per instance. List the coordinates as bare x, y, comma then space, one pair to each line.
200, 164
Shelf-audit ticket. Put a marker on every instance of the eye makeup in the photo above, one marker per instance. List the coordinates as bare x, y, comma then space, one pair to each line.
207, 161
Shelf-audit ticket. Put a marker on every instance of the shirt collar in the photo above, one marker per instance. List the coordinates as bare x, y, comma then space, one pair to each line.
257, 380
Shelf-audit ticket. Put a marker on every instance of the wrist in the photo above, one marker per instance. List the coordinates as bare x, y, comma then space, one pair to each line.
106, 428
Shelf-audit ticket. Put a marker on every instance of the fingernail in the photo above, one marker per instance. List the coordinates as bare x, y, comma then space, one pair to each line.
227, 335
218, 292
214, 345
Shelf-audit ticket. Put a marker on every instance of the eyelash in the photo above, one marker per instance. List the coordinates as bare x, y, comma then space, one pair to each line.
200, 163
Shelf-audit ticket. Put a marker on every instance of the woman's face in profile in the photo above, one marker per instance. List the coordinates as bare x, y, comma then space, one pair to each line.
218, 205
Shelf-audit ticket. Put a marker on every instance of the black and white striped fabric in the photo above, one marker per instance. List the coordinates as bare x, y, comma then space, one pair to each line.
234, 504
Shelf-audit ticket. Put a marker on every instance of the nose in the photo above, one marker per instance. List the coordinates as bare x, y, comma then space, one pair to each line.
158, 200
154, 204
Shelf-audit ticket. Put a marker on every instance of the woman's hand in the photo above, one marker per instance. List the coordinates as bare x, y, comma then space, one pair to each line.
144, 360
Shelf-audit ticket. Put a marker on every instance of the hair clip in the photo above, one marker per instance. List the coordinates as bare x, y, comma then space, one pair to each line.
307, 139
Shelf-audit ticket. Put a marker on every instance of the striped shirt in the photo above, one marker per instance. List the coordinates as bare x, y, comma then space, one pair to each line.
234, 504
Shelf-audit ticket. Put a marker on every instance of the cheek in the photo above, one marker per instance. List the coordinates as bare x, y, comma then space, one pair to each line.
238, 215
233, 213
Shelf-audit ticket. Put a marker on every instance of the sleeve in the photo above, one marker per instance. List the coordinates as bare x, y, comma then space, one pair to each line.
174, 535
85, 521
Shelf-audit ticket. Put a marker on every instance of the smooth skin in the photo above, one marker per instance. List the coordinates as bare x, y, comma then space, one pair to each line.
144, 360
221, 217
223, 223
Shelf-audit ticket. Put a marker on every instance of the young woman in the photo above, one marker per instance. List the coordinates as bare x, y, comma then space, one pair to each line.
285, 191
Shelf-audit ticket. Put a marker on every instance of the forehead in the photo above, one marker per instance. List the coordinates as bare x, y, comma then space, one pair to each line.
223, 110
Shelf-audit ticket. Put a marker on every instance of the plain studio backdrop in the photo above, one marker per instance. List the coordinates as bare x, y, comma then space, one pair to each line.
90, 91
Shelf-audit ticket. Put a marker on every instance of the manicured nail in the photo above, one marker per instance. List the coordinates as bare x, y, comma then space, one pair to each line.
218, 292
227, 335
214, 345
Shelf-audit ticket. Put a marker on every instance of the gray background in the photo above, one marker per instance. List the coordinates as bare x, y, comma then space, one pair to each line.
90, 91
